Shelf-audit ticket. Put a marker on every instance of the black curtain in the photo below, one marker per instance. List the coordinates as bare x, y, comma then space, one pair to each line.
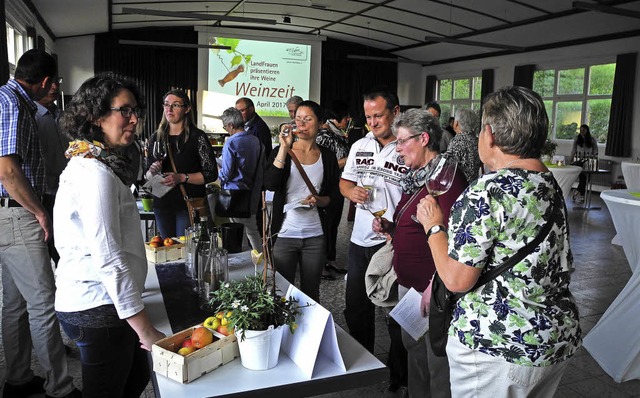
620, 135
523, 76
430, 89
156, 70
348, 79
487, 83
4, 55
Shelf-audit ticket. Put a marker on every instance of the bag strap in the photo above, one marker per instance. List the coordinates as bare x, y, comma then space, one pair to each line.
173, 165
302, 172
522, 253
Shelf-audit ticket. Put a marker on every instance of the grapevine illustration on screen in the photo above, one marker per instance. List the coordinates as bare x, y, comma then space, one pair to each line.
236, 61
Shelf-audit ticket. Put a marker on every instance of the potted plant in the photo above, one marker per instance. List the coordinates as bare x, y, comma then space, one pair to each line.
257, 310
548, 150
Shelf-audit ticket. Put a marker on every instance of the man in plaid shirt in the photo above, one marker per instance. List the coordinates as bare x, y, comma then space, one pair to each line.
28, 315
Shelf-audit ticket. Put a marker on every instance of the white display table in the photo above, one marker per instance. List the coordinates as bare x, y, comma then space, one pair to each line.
285, 380
614, 342
631, 174
565, 176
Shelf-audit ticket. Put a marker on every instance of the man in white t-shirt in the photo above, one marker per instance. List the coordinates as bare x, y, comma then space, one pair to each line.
376, 153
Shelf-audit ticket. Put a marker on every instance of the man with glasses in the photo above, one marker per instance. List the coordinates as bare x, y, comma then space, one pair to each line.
254, 124
375, 153
28, 315
53, 145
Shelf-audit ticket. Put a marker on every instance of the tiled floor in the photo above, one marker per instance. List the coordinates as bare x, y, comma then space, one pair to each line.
601, 273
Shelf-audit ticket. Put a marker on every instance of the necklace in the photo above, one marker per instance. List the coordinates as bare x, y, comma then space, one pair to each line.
506, 166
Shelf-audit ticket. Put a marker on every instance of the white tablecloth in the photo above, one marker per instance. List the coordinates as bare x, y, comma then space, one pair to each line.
614, 342
631, 174
565, 176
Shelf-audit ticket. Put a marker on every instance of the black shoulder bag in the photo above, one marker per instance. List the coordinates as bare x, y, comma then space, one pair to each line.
443, 301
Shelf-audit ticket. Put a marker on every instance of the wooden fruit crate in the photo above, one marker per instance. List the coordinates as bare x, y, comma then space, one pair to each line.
185, 369
163, 254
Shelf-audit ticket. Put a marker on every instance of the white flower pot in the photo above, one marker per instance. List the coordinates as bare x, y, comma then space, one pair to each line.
260, 349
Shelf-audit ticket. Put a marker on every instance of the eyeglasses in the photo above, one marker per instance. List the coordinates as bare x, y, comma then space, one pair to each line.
402, 141
127, 111
305, 120
173, 106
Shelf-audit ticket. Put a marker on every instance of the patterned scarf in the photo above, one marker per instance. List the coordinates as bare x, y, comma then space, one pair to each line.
114, 158
415, 179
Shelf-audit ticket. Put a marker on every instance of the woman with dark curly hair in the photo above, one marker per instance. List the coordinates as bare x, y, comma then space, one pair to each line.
194, 160
584, 145
102, 268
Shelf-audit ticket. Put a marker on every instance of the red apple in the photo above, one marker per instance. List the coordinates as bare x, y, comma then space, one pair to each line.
187, 342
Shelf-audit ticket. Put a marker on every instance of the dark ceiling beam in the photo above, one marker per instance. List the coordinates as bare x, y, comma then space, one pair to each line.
520, 3
606, 9
41, 20
372, 7
453, 23
204, 17
548, 46
471, 10
474, 43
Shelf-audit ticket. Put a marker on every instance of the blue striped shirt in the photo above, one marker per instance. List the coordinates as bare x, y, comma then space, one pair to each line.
19, 134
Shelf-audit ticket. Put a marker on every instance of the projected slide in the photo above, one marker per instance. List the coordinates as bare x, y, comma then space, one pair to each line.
267, 72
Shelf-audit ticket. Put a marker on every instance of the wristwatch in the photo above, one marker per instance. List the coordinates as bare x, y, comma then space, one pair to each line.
435, 229
186, 178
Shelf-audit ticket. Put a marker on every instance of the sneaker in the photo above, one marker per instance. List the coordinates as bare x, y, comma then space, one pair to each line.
579, 199
32, 387
75, 393
332, 267
327, 275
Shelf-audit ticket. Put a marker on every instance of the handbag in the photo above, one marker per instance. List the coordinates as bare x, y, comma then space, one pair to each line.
443, 301
380, 279
234, 203
196, 205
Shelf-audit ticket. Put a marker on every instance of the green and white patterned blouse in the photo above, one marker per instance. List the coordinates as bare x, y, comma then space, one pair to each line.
526, 315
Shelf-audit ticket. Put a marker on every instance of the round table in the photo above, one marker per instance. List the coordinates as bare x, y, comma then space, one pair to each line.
631, 174
565, 176
613, 341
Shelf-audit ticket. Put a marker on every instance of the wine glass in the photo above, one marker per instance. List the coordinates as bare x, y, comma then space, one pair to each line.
440, 177
159, 150
377, 206
366, 180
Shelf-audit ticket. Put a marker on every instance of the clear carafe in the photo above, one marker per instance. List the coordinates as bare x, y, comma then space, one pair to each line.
215, 272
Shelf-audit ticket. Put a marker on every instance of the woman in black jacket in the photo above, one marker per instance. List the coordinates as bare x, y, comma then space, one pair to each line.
298, 215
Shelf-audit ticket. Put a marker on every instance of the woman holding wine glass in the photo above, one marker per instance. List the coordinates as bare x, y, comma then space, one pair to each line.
194, 161
513, 335
299, 216
418, 142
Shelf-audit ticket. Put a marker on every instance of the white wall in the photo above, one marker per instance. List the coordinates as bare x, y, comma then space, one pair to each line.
412, 84
75, 61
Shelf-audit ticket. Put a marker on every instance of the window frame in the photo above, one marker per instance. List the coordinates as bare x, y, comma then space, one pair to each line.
472, 102
584, 98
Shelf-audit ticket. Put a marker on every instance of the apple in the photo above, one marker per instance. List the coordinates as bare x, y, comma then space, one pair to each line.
212, 322
157, 239
168, 242
184, 351
201, 337
224, 329
187, 342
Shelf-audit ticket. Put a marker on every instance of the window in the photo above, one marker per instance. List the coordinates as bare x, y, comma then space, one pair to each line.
458, 93
17, 44
575, 96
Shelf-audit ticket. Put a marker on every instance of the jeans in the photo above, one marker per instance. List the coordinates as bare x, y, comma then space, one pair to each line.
251, 230
171, 221
310, 253
113, 364
428, 374
359, 311
475, 374
28, 315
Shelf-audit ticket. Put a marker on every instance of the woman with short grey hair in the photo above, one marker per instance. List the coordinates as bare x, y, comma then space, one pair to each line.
241, 169
464, 146
513, 336
418, 143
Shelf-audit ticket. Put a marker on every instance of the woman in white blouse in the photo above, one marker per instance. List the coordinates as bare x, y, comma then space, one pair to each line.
102, 268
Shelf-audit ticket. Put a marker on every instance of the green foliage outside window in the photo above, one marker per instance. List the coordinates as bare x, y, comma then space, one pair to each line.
601, 79
598, 118
445, 90
461, 89
571, 81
